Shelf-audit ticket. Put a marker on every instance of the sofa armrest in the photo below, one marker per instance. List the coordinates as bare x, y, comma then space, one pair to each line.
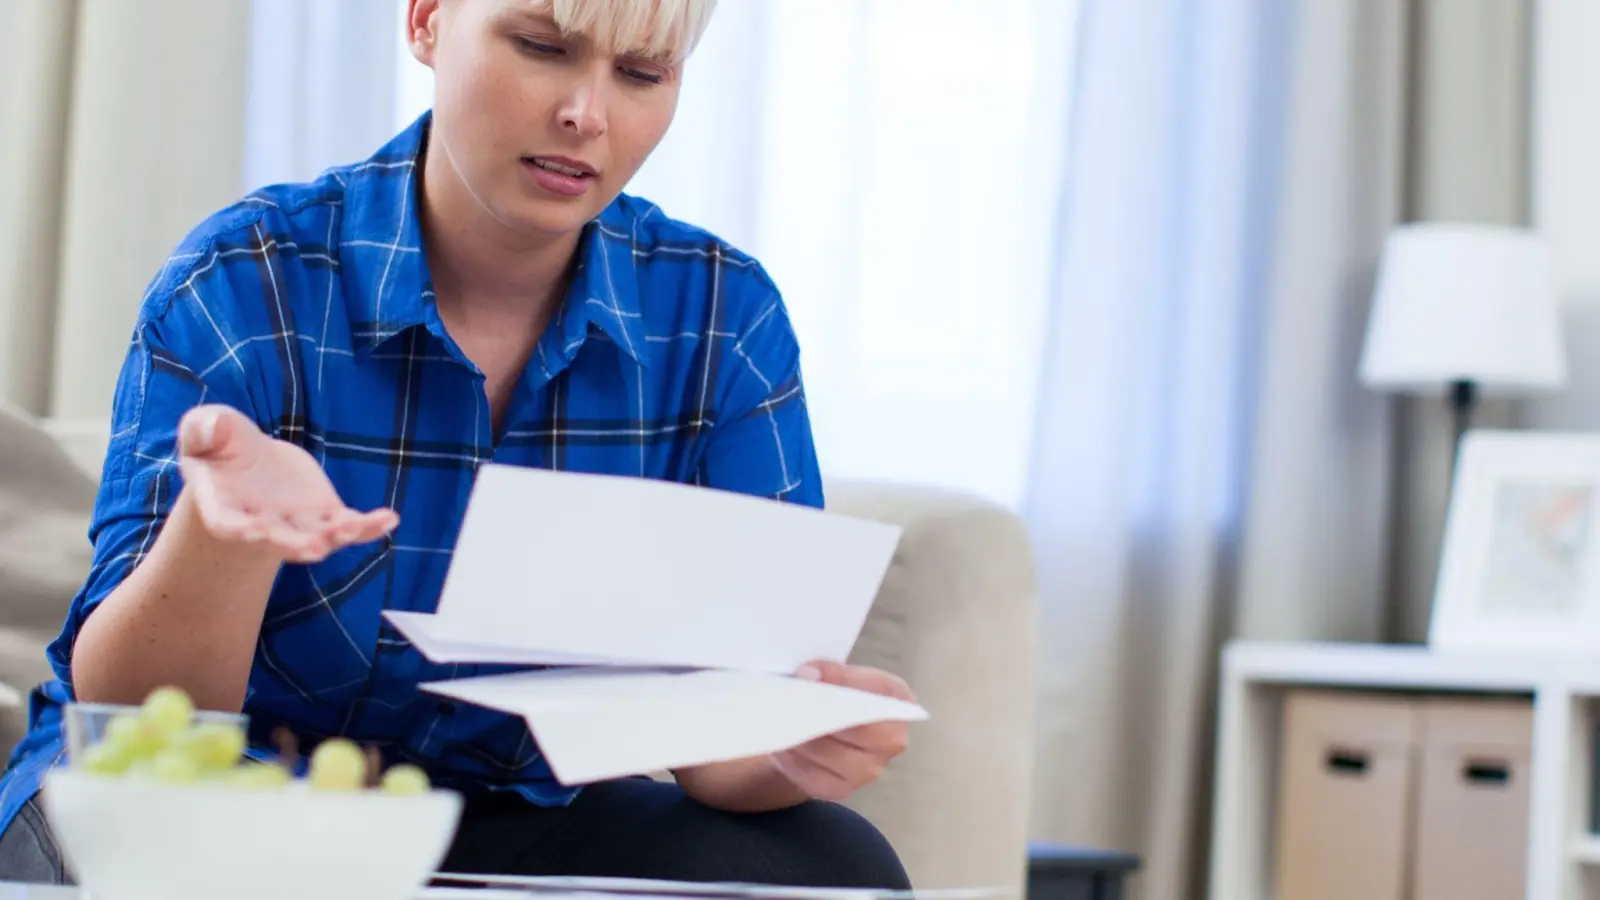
955, 618
84, 441
46, 497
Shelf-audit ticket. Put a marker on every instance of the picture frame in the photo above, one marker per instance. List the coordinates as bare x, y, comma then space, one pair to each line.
1519, 568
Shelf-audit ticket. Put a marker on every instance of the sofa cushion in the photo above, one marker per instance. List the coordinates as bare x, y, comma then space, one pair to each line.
45, 502
955, 618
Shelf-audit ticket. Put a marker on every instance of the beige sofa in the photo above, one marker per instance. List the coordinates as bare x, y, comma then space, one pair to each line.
955, 618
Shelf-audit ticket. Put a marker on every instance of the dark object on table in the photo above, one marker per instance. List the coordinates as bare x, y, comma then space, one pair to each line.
1594, 781
1077, 873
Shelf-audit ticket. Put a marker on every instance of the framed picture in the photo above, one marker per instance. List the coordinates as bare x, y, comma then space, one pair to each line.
1520, 567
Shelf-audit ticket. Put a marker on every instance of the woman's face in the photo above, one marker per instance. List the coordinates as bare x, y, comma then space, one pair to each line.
542, 130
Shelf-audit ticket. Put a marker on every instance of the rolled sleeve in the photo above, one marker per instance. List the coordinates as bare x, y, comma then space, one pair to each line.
763, 444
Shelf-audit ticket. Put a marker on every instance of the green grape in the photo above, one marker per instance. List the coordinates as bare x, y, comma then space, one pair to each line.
176, 767
406, 779
106, 759
168, 710
260, 775
337, 765
224, 744
215, 745
135, 737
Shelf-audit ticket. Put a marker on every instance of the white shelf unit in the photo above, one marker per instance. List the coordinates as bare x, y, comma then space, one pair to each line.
1586, 851
1563, 857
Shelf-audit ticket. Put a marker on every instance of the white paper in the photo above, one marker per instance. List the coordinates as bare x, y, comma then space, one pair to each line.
420, 628
597, 724
610, 567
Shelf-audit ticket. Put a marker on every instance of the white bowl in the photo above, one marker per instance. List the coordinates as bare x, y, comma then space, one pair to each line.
136, 839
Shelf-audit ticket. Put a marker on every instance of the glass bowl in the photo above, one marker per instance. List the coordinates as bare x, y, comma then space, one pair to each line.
86, 723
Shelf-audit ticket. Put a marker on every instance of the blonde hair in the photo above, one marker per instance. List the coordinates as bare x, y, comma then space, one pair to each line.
662, 29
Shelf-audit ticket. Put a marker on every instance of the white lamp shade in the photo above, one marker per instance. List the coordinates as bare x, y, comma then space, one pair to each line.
1464, 303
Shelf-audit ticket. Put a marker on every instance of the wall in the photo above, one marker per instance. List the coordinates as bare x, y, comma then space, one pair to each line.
35, 82
1467, 162
157, 89
1565, 192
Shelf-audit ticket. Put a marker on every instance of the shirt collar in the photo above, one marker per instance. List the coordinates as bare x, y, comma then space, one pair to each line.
382, 268
604, 293
384, 271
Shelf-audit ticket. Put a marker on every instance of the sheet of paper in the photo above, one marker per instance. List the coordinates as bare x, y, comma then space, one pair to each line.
420, 628
597, 724
609, 567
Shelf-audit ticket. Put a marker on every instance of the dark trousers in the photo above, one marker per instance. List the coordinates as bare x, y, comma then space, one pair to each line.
625, 829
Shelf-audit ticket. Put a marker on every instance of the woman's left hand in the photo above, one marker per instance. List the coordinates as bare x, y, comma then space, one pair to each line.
836, 766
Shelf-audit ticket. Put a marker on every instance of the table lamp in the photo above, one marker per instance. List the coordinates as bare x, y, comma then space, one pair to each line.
1462, 310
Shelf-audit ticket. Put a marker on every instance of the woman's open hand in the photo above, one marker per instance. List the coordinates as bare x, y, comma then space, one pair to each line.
251, 488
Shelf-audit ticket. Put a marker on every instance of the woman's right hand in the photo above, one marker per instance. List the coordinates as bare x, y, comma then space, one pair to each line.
251, 488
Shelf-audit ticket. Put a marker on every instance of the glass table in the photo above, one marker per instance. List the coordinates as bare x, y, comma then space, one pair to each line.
10, 891
513, 888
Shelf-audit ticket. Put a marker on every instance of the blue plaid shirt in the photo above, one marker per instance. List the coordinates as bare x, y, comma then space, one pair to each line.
308, 307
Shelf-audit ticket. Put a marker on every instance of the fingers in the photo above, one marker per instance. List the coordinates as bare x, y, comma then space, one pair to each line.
858, 754
231, 523
828, 769
211, 431
835, 766
375, 524
886, 740
347, 527
812, 778
301, 537
862, 678
341, 526
313, 537
296, 543
313, 521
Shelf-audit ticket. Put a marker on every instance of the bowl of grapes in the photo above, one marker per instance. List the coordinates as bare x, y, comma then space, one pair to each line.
162, 802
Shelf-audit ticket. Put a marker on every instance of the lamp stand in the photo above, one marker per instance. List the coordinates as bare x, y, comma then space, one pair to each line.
1463, 401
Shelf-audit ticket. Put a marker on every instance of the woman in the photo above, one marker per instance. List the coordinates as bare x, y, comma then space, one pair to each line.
317, 372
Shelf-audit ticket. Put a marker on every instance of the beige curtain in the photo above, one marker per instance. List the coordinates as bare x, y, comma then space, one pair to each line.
1468, 161
123, 128
1370, 112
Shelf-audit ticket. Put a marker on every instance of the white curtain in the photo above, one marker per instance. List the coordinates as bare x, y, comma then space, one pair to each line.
321, 85
1206, 464
893, 164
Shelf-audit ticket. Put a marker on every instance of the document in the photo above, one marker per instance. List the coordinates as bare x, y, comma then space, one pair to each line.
602, 567
594, 725
675, 617
419, 628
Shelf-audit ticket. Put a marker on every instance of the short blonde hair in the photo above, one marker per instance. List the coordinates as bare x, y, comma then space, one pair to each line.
663, 29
